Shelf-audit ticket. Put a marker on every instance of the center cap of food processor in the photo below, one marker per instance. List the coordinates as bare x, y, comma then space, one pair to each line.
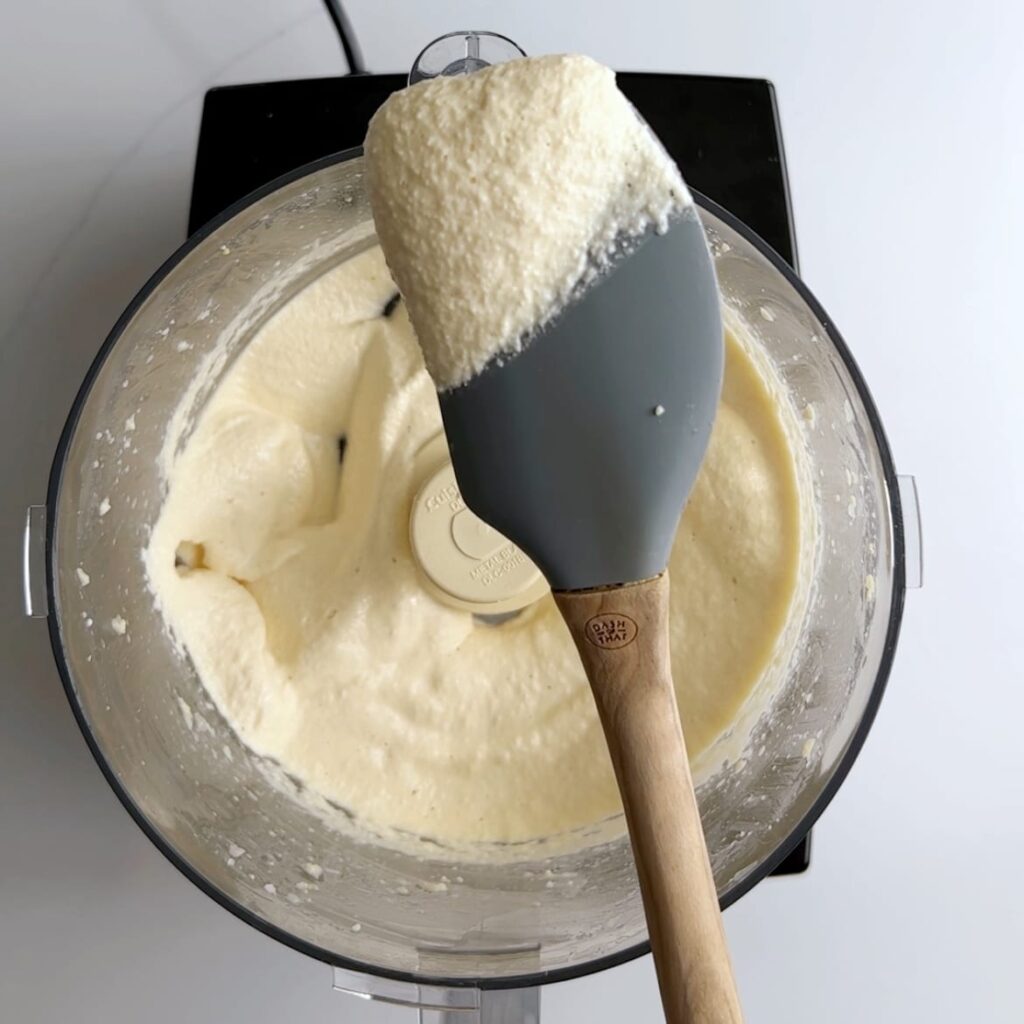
466, 563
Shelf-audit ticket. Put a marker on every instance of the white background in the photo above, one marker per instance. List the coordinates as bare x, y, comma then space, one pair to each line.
902, 125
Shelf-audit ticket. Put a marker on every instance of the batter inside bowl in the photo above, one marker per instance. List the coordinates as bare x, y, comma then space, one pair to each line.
282, 564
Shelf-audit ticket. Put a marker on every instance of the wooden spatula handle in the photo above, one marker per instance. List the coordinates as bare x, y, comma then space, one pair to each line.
622, 637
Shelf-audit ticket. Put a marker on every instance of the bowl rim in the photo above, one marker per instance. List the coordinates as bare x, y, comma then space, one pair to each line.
602, 963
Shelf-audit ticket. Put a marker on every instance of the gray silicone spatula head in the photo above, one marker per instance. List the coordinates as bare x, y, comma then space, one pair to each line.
583, 448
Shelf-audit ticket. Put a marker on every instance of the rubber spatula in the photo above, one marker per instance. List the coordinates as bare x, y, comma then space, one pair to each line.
582, 449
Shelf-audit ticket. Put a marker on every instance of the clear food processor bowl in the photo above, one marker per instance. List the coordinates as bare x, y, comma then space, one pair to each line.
217, 811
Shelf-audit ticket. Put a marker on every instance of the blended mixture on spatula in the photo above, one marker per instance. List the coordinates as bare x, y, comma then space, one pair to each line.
281, 559
497, 194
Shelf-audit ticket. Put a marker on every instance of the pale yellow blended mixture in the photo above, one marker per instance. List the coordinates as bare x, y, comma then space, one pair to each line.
497, 194
281, 559
309, 624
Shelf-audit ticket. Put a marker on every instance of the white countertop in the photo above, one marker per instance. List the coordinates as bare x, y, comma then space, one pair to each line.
906, 157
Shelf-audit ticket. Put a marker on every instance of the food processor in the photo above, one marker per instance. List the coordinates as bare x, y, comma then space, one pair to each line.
460, 938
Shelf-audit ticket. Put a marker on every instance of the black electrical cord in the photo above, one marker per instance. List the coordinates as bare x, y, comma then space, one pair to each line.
346, 36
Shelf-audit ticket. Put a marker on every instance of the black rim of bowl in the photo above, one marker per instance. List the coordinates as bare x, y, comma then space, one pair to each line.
541, 977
